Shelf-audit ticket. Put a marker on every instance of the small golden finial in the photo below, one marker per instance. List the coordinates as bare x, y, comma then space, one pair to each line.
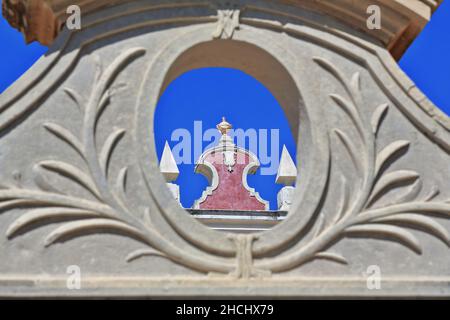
224, 126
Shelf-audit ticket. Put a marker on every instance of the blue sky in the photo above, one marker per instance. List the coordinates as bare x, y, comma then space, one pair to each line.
208, 94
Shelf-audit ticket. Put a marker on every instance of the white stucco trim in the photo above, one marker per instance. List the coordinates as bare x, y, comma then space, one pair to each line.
209, 171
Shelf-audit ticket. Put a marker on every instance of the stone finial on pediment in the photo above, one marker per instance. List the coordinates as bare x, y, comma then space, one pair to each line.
168, 165
286, 175
287, 171
170, 171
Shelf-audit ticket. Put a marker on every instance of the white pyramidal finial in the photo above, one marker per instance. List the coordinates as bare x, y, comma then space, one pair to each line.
168, 166
287, 171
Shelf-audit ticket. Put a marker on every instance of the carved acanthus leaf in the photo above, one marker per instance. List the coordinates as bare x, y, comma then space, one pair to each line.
109, 211
357, 217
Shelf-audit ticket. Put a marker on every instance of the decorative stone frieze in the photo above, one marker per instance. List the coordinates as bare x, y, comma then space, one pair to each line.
81, 183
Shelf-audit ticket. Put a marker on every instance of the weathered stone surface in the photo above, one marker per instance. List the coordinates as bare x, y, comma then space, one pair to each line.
80, 179
285, 198
175, 190
402, 20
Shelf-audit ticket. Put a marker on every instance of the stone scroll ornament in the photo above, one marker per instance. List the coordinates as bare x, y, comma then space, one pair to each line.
358, 212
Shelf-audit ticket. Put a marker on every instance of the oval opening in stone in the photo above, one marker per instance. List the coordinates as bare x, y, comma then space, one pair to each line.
226, 149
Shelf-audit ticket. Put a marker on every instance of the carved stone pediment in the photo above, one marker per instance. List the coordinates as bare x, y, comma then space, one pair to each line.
80, 181
41, 20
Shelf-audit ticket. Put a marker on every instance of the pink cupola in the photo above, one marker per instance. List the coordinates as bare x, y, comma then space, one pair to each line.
226, 167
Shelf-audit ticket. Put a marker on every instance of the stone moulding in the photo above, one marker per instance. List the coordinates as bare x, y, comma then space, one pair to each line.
359, 122
32, 81
138, 287
402, 22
